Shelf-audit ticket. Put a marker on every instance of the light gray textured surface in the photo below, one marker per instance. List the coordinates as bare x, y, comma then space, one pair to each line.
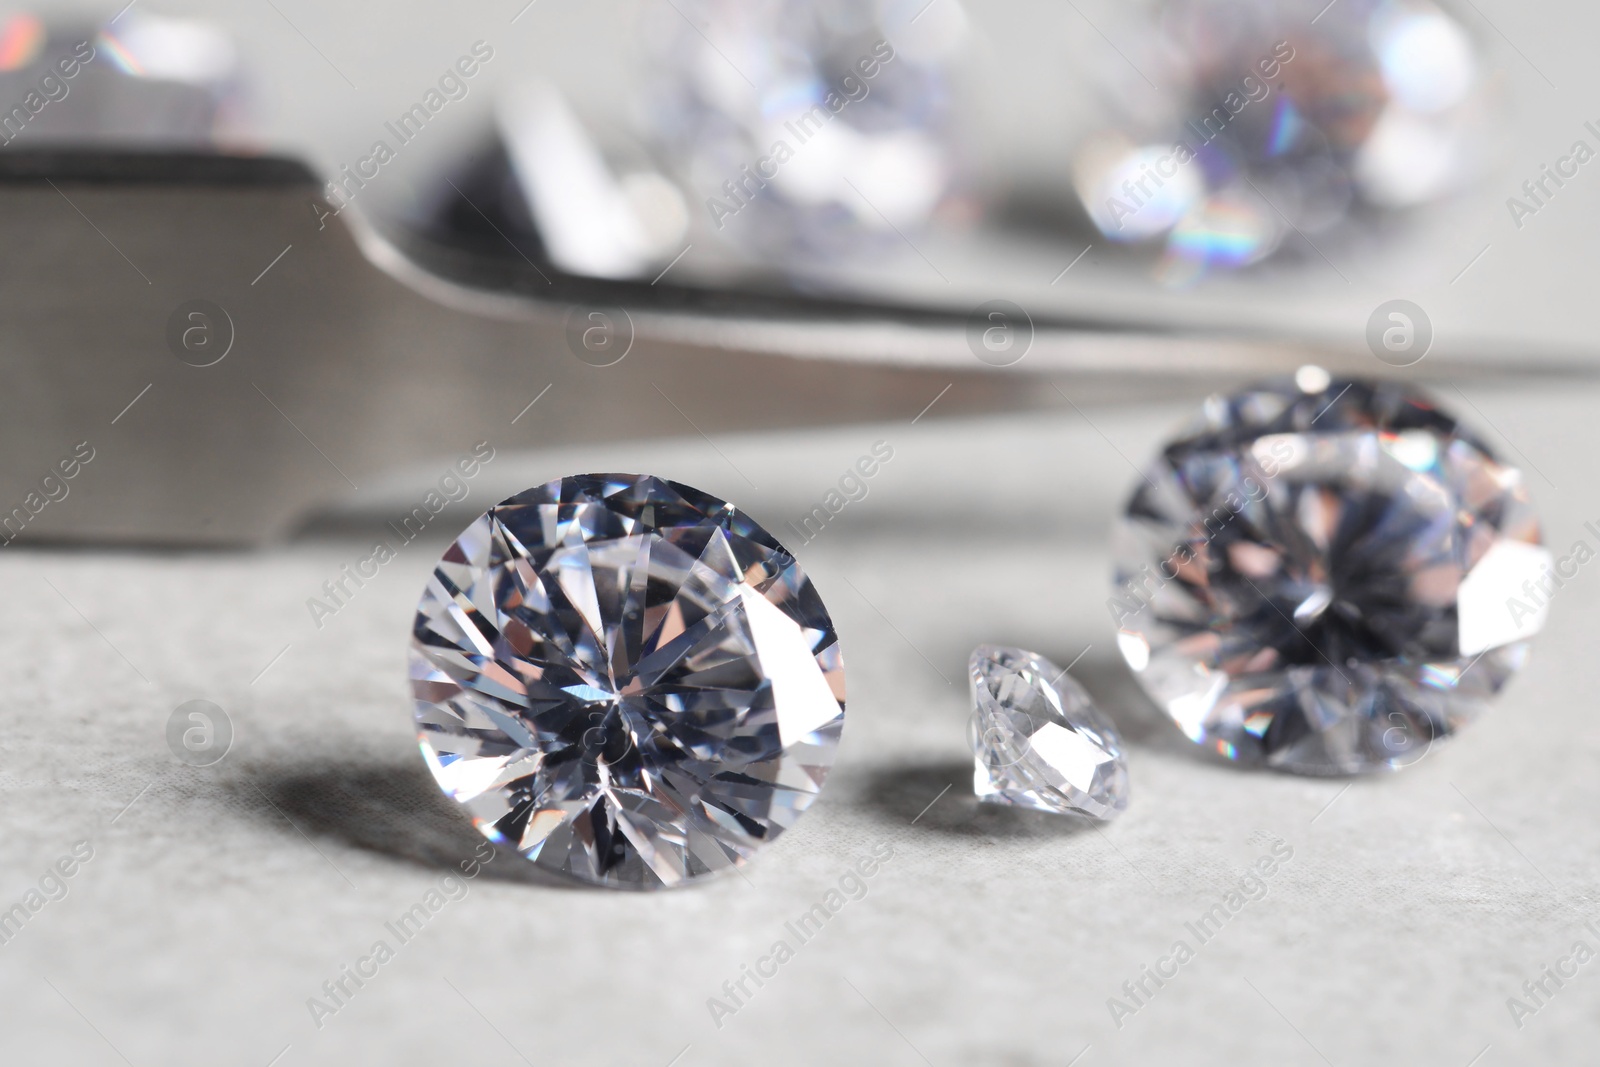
221, 899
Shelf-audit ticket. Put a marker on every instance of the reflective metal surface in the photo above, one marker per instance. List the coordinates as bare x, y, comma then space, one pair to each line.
350, 355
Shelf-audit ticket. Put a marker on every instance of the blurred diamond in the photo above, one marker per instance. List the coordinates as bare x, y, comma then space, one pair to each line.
141, 81
626, 679
803, 128
584, 217
1038, 742
1243, 124
1326, 576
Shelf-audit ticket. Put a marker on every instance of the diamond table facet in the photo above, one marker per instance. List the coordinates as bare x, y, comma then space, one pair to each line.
1037, 740
625, 679
1318, 575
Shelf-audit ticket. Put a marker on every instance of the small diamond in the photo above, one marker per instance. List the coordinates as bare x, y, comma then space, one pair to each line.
1325, 576
1038, 742
625, 679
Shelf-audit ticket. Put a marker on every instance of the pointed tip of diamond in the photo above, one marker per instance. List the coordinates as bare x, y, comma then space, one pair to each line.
1038, 741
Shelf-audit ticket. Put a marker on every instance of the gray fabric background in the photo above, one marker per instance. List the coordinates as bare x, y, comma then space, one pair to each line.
220, 900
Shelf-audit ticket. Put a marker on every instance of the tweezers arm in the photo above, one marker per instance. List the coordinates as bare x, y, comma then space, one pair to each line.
345, 357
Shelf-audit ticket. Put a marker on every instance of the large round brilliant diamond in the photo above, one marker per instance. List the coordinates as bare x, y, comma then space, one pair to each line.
625, 679
1325, 576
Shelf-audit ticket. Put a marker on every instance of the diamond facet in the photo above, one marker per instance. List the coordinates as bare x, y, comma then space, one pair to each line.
1321, 575
625, 679
1037, 740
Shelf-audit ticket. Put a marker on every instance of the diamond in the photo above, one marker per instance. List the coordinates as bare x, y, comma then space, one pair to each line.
1038, 742
625, 679
1322, 576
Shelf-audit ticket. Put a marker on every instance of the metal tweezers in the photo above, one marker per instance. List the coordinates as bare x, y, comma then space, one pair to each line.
342, 352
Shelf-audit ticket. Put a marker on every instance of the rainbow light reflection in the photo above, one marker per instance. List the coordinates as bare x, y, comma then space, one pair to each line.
119, 55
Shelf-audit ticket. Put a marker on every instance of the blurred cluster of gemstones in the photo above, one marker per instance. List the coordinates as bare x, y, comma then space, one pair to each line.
788, 135
1226, 131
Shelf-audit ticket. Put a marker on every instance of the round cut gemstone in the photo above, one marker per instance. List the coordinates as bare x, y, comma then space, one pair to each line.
625, 679
1038, 741
1326, 576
